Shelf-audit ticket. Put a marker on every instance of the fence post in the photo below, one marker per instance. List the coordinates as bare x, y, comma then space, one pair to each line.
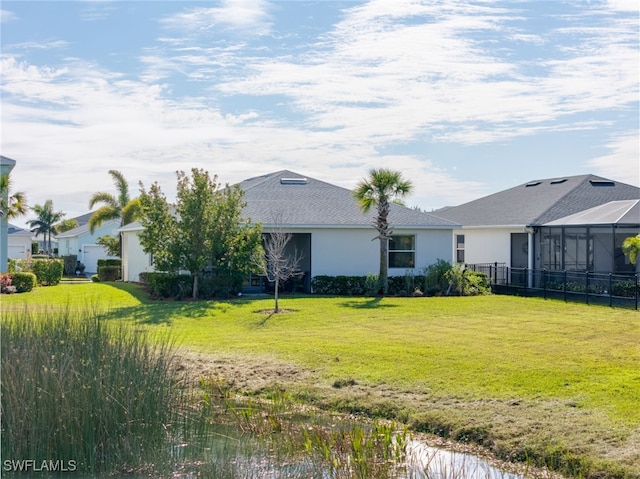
564, 284
544, 283
526, 281
610, 290
586, 287
636, 291
495, 273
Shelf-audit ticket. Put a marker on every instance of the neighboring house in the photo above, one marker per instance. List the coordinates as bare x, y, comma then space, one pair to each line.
81, 242
18, 242
329, 230
549, 224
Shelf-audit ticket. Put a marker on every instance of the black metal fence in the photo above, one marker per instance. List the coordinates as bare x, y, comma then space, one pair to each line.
619, 290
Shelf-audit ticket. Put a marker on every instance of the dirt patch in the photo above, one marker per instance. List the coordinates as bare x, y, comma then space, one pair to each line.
244, 374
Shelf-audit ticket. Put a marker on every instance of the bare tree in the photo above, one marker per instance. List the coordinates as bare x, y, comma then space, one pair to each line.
279, 263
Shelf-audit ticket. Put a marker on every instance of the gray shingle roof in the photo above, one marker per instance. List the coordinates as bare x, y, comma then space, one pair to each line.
16, 230
540, 201
305, 201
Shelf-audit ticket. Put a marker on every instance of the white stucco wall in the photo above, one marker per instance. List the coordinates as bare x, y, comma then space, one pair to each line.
134, 259
338, 251
487, 245
334, 251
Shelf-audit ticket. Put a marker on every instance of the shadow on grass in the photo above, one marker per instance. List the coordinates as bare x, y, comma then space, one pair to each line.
372, 303
163, 311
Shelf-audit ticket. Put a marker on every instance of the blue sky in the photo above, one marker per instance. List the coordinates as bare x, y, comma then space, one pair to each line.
465, 98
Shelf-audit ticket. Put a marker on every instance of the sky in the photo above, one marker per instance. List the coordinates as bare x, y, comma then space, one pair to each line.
465, 98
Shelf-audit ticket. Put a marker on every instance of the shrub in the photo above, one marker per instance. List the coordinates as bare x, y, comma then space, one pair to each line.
108, 273
48, 271
5, 282
220, 284
70, 263
372, 285
95, 278
23, 282
109, 262
339, 285
169, 285
436, 281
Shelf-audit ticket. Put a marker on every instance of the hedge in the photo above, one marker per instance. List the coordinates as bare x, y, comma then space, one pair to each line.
168, 285
48, 271
108, 273
23, 282
109, 262
70, 263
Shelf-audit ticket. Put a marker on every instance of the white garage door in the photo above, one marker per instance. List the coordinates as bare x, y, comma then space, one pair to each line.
17, 251
90, 256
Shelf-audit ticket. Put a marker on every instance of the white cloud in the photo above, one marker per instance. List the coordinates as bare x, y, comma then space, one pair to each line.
375, 77
623, 163
246, 16
7, 16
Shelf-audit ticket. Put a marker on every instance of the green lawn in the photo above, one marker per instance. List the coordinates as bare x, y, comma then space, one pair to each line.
560, 360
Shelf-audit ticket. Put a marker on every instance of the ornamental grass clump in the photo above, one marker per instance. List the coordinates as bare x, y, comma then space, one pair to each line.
81, 391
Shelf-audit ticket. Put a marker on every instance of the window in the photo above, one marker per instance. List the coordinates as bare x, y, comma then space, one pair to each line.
402, 251
459, 248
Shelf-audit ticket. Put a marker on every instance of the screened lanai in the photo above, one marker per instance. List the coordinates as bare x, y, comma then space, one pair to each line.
590, 240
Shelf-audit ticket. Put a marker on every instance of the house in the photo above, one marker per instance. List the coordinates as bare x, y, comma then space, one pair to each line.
81, 242
329, 230
566, 223
18, 242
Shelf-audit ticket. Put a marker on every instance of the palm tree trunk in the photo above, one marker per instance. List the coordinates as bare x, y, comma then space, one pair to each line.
384, 264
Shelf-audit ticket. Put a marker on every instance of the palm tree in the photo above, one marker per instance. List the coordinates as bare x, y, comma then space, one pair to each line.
379, 190
66, 225
121, 207
45, 222
16, 204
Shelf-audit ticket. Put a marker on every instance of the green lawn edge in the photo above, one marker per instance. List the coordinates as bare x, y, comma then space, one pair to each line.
530, 379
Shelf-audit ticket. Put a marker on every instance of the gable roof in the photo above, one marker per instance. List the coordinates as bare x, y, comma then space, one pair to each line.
540, 201
83, 229
16, 230
307, 202
623, 212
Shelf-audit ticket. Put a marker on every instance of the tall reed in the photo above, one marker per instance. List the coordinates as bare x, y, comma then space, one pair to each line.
75, 388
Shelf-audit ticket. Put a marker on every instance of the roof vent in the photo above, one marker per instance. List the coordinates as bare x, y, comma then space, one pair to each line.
558, 181
533, 183
293, 181
602, 183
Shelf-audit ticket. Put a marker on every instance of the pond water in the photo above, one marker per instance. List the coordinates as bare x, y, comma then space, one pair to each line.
323, 447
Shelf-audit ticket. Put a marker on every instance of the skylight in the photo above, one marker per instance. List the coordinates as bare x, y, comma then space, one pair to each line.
602, 183
558, 181
533, 183
293, 181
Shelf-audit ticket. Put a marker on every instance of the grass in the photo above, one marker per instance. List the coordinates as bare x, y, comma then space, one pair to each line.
76, 390
550, 382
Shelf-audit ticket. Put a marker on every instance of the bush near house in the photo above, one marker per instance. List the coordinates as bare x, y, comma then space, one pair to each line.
167, 285
23, 282
109, 269
48, 271
70, 263
439, 279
